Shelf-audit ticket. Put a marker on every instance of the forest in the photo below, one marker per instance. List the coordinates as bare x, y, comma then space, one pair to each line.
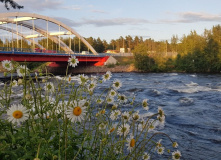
190, 53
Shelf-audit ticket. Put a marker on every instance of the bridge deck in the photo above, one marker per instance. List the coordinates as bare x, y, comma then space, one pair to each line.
51, 57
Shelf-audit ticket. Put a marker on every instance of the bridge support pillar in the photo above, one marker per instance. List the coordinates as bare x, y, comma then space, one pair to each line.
102, 61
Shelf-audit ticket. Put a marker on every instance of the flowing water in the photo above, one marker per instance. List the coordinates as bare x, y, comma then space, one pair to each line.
192, 104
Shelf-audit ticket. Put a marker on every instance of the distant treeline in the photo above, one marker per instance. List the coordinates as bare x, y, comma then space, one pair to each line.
190, 53
196, 53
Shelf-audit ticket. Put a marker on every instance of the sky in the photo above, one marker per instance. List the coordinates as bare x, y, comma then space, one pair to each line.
110, 19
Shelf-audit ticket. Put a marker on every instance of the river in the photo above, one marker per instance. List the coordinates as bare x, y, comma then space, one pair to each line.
192, 104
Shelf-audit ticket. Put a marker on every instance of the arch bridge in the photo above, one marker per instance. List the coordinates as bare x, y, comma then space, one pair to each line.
31, 26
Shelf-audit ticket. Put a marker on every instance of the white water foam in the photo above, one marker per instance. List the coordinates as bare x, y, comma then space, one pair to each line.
156, 92
192, 88
193, 75
173, 74
186, 101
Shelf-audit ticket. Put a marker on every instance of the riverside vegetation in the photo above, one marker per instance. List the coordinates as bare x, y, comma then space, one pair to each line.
49, 117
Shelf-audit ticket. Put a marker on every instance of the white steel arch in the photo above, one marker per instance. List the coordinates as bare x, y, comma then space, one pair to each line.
21, 35
37, 16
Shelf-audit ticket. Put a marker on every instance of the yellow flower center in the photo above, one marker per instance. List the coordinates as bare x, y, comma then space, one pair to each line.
49, 86
136, 117
124, 129
117, 84
91, 86
22, 70
69, 79
122, 98
144, 104
103, 111
77, 111
73, 61
7, 65
125, 117
132, 143
106, 76
17, 114
177, 156
161, 113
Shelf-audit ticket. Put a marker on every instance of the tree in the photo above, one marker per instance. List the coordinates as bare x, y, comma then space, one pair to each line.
12, 4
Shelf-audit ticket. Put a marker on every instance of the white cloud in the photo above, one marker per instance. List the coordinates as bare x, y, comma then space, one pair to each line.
114, 21
196, 17
192, 17
72, 7
98, 11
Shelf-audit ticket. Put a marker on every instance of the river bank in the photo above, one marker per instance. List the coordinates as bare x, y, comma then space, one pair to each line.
94, 69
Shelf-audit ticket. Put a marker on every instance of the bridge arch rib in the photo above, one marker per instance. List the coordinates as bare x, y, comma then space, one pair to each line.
21, 35
37, 16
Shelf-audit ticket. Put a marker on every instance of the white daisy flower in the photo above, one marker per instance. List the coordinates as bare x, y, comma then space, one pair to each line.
73, 61
107, 76
117, 84
160, 112
175, 144
21, 71
14, 83
160, 150
49, 87
109, 100
69, 79
125, 116
158, 144
145, 104
92, 85
82, 79
161, 119
6, 64
99, 100
146, 156
176, 155
136, 116
123, 129
112, 93
17, 114
122, 98
102, 126
115, 114
114, 106
77, 112
130, 143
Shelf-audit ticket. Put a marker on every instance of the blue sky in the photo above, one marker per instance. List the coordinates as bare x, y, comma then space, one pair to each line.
110, 19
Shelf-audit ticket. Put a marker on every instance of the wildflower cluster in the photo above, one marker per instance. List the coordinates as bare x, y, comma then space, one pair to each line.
53, 117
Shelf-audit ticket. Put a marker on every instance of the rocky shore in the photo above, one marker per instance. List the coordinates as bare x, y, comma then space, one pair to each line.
94, 69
